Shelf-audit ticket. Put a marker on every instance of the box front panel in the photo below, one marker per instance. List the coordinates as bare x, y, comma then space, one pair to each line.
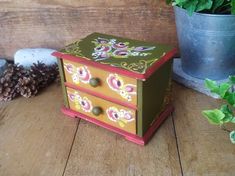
108, 112
109, 84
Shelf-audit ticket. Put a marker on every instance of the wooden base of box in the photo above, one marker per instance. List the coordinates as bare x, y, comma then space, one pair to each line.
131, 137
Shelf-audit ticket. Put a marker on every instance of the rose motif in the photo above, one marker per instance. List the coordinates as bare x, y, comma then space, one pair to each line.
75, 78
106, 48
69, 68
120, 45
86, 104
120, 53
122, 117
84, 74
78, 74
116, 83
80, 102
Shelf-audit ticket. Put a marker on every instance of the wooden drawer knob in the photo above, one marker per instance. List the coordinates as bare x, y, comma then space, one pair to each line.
94, 82
97, 110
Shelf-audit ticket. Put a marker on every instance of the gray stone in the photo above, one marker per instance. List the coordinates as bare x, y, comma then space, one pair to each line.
27, 56
3, 65
193, 83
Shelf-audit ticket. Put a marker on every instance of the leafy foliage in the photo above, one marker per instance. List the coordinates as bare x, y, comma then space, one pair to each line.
225, 113
232, 136
221, 90
205, 6
214, 116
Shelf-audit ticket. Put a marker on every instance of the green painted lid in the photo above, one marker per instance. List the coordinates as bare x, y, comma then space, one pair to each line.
132, 55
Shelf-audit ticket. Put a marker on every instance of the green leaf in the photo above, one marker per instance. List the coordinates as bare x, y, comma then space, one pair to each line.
232, 120
190, 6
168, 1
233, 7
225, 109
216, 4
232, 136
204, 5
227, 112
179, 3
214, 116
223, 88
231, 98
212, 85
232, 79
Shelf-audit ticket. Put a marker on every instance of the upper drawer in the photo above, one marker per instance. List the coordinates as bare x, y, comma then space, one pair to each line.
100, 81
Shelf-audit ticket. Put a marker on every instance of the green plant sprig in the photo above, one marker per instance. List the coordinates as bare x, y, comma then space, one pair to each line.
205, 6
225, 114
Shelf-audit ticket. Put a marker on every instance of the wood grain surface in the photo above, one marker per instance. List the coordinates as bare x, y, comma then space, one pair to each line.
204, 149
98, 152
54, 23
35, 138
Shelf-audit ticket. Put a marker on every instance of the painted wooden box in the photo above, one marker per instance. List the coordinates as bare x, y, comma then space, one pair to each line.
120, 84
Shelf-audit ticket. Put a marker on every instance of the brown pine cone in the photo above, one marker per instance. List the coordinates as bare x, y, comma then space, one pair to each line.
43, 74
7, 90
19, 81
27, 86
8, 82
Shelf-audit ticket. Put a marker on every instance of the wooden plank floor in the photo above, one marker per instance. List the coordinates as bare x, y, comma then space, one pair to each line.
36, 139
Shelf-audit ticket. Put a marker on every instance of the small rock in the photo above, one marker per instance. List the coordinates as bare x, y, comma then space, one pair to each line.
3, 65
27, 56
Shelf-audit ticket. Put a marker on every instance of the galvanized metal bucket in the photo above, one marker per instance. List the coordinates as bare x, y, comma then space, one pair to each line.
207, 44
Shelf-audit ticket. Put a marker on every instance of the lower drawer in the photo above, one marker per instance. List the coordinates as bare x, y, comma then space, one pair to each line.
105, 111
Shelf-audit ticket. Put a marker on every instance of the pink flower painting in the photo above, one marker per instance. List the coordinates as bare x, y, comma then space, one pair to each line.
122, 117
78, 74
116, 83
107, 48
80, 102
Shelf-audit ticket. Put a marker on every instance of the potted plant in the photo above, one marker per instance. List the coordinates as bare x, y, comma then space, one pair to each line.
206, 35
225, 114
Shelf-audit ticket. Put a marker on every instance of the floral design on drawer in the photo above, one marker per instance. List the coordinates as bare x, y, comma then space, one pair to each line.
110, 113
80, 102
119, 87
78, 74
116, 83
122, 117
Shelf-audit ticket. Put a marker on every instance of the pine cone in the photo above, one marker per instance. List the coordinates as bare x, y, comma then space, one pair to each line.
8, 82
53, 72
43, 74
19, 81
27, 86
14, 70
7, 90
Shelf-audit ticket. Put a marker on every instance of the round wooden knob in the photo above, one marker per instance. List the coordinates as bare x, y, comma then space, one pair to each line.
94, 82
97, 110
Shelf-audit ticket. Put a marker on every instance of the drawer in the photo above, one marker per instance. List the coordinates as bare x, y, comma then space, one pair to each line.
105, 111
103, 82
